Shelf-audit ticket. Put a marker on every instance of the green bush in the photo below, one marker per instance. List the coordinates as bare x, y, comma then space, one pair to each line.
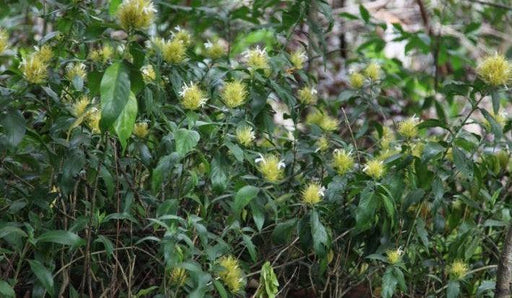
169, 150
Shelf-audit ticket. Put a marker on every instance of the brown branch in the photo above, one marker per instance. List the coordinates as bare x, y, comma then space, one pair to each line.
504, 274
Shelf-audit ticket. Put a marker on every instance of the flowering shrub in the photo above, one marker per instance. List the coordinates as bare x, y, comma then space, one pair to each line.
145, 151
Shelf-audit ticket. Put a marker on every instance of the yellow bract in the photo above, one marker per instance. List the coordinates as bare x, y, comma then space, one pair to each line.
408, 128
80, 107
192, 98
307, 95
374, 168
297, 59
231, 274
372, 71
174, 51
136, 14
458, 269
271, 168
141, 129
257, 58
214, 50
356, 80
234, 94
245, 135
394, 256
312, 194
75, 70
342, 161
4, 40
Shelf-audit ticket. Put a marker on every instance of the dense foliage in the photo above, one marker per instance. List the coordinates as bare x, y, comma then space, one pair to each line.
175, 148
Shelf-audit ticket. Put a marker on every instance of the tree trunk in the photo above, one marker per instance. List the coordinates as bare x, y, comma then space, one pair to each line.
504, 274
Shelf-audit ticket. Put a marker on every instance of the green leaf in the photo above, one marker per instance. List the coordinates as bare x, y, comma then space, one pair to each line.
495, 96
365, 15
218, 173
115, 94
6, 290
269, 284
283, 231
496, 128
486, 286
243, 197
366, 210
186, 140
453, 289
61, 237
161, 172
237, 152
114, 4
250, 247
123, 126
43, 275
462, 163
7, 230
319, 234
389, 283
14, 126
220, 289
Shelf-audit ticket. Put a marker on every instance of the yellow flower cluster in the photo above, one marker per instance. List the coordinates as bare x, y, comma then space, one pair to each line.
372, 71
136, 14
374, 168
35, 66
324, 121
342, 161
192, 97
178, 276
148, 73
182, 35
257, 59
356, 80
394, 256
307, 95
495, 70
271, 167
458, 269
231, 273
102, 55
141, 130
4, 40
214, 50
234, 94
312, 194
322, 143
80, 107
408, 128
173, 51
245, 135
75, 70
93, 120
297, 58
387, 137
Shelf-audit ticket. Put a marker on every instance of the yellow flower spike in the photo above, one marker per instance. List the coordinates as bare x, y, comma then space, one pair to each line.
136, 14
312, 194
80, 107
374, 168
500, 118
408, 128
214, 50
271, 167
307, 95
385, 154
182, 35
356, 80
314, 117
44, 54
297, 58
372, 71
178, 276
245, 135
148, 73
34, 70
93, 120
174, 51
494, 70
322, 144
329, 123
75, 70
417, 149
234, 94
394, 256
141, 130
192, 98
4, 40
257, 58
387, 137
458, 269
231, 273
342, 161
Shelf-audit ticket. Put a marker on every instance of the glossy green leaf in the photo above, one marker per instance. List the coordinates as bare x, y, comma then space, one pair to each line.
123, 126
43, 275
186, 140
115, 94
243, 197
61, 237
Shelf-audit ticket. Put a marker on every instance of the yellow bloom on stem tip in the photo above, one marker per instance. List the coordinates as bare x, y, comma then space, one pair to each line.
75, 70
342, 161
214, 50
387, 137
394, 256
148, 73
80, 107
372, 71
102, 55
136, 14
307, 95
297, 58
231, 273
245, 135
313, 193
374, 168
4, 40
174, 51
329, 123
44, 54
192, 98
234, 94
408, 128
322, 144
314, 117
93, 120
34, 70
356, 80
141, 130
257, 58
182, 35
270, 167
458, 269
494, 70
178, 276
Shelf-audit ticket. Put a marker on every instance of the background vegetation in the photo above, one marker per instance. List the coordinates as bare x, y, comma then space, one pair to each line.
256, 148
